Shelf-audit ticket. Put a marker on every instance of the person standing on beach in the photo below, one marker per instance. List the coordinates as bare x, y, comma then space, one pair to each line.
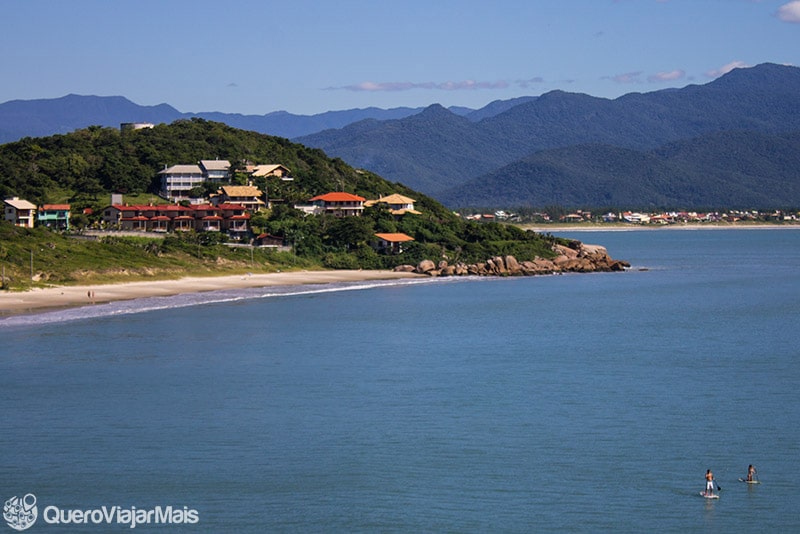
709, 482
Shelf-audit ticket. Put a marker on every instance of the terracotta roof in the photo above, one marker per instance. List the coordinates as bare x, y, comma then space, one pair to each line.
338, 197
395, 238
52, 207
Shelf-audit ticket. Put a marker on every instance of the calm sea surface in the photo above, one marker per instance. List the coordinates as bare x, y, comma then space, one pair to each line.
579, 403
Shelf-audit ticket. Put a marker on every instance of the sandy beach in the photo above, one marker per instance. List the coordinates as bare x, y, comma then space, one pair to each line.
20, 302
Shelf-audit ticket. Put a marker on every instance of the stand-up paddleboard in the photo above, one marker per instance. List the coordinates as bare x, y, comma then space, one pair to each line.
709, 495
749, 481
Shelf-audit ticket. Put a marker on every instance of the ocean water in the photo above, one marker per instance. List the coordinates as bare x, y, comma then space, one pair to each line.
577, 403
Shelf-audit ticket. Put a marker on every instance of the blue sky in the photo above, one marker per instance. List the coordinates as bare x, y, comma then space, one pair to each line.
306, 57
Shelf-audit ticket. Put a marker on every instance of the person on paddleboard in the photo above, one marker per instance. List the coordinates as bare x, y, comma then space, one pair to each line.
709, 482
751, 472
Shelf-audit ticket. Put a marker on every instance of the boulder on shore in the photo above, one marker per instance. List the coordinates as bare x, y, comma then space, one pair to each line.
573, 258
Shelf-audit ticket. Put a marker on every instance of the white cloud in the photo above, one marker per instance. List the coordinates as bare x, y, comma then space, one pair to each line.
668, 76
725, 69
627, 77
790, 12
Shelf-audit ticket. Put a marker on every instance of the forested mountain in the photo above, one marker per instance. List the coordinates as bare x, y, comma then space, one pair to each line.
736, 169
439, 153
92, 162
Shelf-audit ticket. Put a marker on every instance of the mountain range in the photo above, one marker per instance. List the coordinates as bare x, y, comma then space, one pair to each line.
731, 142
577, 150
43, 117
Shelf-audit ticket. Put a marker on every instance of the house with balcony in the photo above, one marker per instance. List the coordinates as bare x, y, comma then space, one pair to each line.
398, 205
55, 216
271, 169
208, 218
235, 220
160, 218
178, 180
339, 204
391, 243
248, 196
19, 212
217, 171
230, 218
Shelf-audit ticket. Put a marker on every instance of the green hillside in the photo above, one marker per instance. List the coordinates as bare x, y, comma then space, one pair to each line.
85, 167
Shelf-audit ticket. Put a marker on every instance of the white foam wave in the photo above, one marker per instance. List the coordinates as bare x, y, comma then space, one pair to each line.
150, 304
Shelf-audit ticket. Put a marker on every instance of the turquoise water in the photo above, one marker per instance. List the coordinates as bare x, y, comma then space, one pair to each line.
578, 403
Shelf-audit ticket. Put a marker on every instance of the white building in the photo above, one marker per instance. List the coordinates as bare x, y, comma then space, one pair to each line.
216, 170
178, 180
20, 212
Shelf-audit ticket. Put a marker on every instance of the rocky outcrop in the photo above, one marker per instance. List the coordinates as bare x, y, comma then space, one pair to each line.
575, 257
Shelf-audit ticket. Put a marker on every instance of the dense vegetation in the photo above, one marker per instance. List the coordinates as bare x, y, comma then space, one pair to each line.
84, 167
81, 167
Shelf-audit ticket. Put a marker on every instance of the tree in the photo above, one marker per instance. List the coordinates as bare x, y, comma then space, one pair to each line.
350, 232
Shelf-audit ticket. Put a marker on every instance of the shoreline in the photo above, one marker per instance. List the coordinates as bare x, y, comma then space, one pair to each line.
62, 297
612, 227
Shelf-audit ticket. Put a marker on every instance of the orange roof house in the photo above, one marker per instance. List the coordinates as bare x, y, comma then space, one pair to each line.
340, 204
392, 242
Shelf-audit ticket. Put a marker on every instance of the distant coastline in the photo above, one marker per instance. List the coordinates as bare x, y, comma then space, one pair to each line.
616, 227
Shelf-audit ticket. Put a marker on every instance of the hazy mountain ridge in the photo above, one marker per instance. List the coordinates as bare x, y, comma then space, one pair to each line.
43, 117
